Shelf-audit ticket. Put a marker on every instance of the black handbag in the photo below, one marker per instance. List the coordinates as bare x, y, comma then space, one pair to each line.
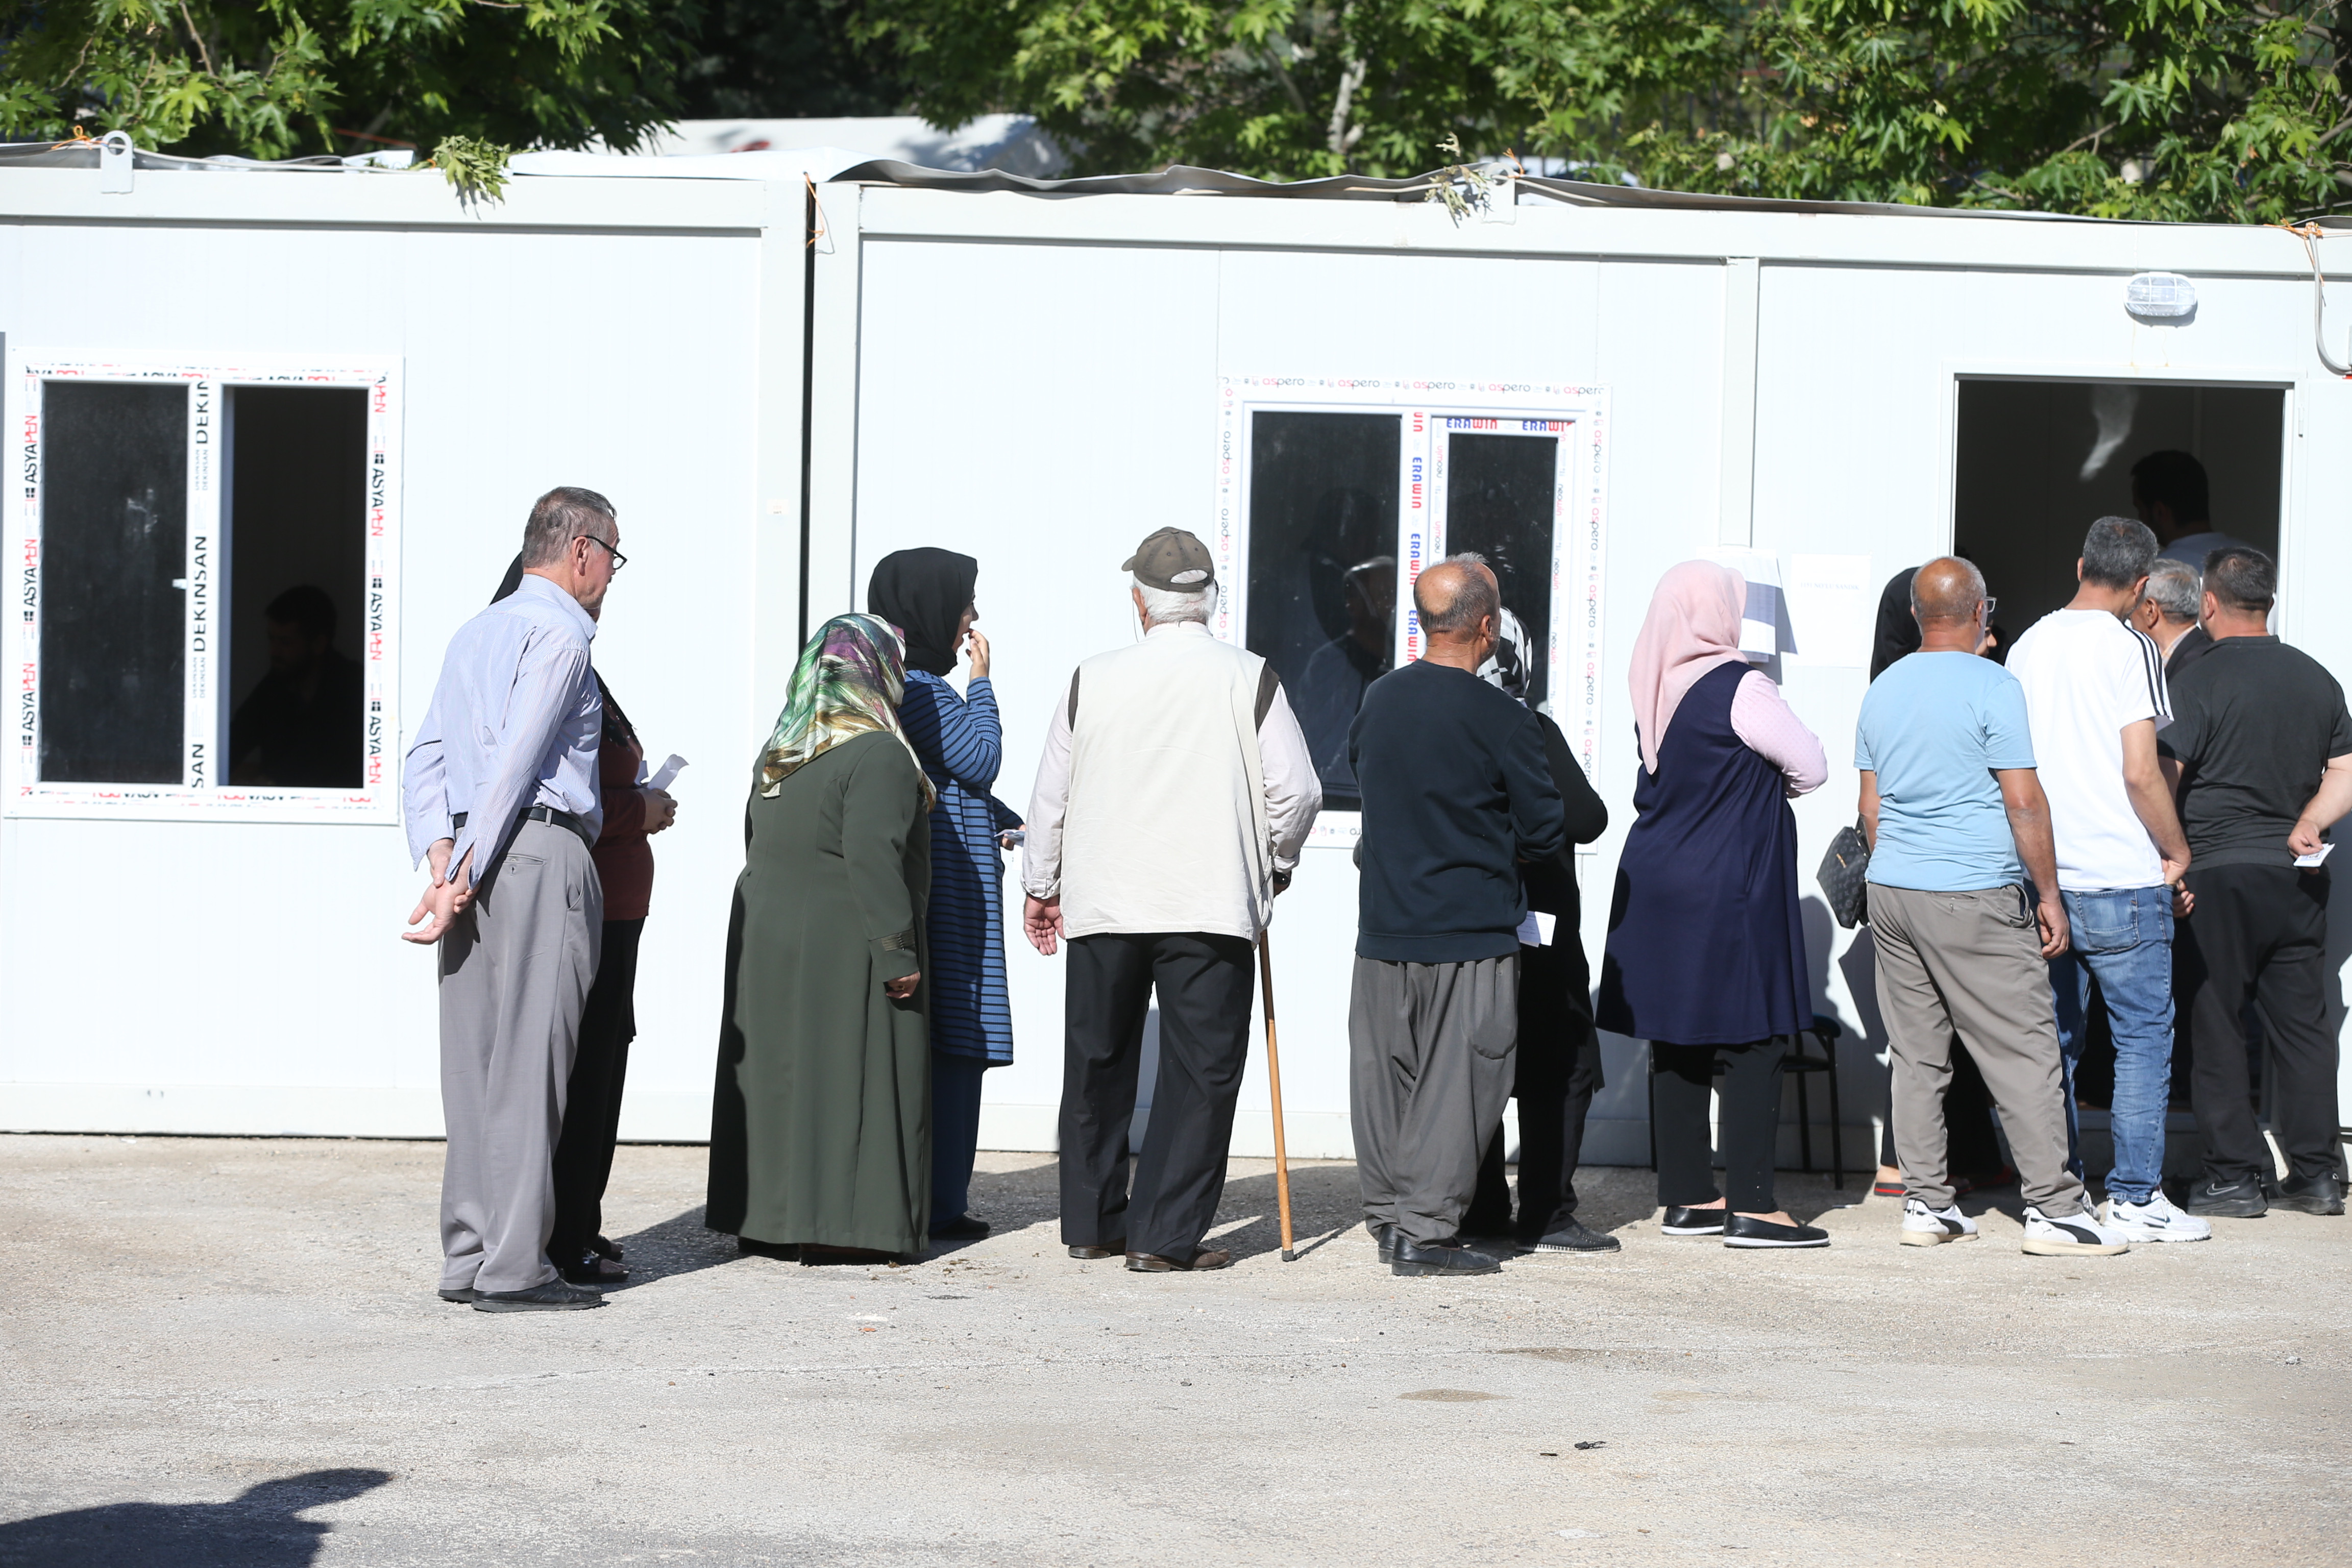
1842, 877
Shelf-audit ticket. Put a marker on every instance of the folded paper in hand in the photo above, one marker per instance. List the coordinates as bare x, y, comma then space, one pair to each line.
669, 771
2317, 858
1537, 929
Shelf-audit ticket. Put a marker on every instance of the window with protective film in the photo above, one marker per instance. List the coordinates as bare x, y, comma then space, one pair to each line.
1332, 495
203, 610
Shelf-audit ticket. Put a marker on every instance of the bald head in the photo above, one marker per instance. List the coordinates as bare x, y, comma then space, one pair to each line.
1460, 606
1946, 589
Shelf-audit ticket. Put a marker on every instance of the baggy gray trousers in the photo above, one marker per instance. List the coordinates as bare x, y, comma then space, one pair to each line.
1970, 964
1430, 1051
515, 973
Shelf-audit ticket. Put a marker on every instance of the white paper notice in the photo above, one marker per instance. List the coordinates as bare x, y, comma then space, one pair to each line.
1537, 929
2318, 857
669, 771
1759, 623
1832, 607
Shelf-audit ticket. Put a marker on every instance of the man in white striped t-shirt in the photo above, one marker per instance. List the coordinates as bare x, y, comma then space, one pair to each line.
2095, 697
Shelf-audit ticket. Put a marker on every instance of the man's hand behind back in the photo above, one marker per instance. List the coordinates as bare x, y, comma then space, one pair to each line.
447, 898
2050, 915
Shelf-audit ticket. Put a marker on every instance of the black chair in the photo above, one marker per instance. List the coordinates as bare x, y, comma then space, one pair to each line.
1827, 1031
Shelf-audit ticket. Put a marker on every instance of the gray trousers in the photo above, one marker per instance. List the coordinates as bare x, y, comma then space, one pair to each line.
515, 972
1970, 964
1430, 1049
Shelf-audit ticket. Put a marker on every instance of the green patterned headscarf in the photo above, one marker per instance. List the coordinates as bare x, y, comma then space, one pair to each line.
847, 683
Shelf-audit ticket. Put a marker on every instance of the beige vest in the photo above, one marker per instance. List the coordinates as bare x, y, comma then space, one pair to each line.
1166, 827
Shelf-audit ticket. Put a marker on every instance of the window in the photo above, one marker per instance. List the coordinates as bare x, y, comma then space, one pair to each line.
204, 619
1333, 493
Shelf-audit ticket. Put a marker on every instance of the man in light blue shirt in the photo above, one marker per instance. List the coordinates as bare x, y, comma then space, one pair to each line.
501, 799
1958, 825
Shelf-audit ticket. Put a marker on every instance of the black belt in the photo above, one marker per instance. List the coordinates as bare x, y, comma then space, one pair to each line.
540, 814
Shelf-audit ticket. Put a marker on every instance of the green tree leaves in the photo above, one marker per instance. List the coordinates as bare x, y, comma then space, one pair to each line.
273, 78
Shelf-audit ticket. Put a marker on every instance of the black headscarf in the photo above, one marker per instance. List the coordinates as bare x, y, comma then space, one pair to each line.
924, 593
1898, 630
617, 728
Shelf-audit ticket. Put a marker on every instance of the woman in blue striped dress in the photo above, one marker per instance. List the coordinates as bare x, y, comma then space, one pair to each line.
928, 596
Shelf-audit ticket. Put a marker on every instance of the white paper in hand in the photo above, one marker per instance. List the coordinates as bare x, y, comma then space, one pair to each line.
669, 771
1537, 929
2318, 858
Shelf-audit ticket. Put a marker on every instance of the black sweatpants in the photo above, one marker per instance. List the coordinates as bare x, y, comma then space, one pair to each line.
1557, 1072
2257, 931
1751, 1121
1203, 984
592, 1107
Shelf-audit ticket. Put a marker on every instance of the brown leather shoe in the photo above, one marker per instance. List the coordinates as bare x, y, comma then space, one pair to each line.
1108, 1249
1152, 1263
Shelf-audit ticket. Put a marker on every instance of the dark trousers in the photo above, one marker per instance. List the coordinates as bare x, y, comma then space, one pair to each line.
1556, 1071
955, 1133
1751, 1121
592, 1107
2258, 932
1202, 984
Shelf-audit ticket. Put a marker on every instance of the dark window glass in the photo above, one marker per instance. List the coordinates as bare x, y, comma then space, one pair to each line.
1498, 502
1322, 569
297, 558
114, 538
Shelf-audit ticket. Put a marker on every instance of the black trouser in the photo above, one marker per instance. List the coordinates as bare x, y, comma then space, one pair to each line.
2258, 932
592, 1108
1555, 1075
1204, 986
1750, 1122
1971, 1146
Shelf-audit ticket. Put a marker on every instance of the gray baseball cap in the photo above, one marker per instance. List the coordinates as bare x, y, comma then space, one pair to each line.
1174, 561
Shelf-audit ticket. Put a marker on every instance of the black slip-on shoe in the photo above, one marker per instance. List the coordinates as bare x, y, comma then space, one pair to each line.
1495, 1245
2241, 1199
1573, 1235
595, 1269
1416, 1260
555, 1296
464, 1295
1680, 1221
963, 1228
1385, 1237
1747, 1230
1087, 1253
606, 1246
1152, 1263
2311, 1195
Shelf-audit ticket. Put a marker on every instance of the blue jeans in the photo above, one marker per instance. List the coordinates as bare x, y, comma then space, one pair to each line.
2122, 938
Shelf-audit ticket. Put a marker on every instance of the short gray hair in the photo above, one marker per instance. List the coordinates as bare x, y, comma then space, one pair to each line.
1479, 598
2117, 552
561, 516
1162, 606
2176, 588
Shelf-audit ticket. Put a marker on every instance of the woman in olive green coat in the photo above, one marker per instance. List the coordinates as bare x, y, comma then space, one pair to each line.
821, 1134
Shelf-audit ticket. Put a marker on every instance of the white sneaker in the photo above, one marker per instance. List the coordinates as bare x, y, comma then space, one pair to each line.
1923, 1227
2155, 1220
2047, 1237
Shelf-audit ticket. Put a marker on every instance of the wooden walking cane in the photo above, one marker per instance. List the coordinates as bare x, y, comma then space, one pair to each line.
1274, 1081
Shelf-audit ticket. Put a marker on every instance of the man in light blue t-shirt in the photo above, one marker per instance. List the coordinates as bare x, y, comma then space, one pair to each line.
1964, 912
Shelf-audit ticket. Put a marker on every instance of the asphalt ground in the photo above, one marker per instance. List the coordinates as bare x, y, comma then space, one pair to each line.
228, 1350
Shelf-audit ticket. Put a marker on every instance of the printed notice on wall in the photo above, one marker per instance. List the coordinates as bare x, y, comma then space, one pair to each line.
1832, 606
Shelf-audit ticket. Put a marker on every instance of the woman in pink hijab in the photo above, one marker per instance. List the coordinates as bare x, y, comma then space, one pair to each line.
1706, 955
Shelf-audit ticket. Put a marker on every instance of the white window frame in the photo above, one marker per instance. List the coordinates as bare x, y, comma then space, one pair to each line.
1578, 415
202, 794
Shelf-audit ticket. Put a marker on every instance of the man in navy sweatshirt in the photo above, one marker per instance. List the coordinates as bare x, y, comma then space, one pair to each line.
1456, 795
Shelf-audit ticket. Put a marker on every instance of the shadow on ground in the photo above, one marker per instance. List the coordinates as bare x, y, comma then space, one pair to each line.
260, 1529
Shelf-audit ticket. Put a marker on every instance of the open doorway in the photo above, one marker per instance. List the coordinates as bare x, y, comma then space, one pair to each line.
2037, 462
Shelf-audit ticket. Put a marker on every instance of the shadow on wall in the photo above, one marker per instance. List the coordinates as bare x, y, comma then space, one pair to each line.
1865, 1046
260, 1529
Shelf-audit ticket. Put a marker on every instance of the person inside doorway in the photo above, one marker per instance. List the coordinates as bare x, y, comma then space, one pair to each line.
2172, 495
299, 727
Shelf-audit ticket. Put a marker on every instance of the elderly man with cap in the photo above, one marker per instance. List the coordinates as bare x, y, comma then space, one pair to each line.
1172, 802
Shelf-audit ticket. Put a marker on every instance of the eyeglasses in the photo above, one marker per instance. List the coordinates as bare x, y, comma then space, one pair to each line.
1991, 604
619, 560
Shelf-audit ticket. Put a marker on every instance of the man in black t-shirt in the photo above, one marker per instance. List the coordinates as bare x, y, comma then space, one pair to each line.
2260, 750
